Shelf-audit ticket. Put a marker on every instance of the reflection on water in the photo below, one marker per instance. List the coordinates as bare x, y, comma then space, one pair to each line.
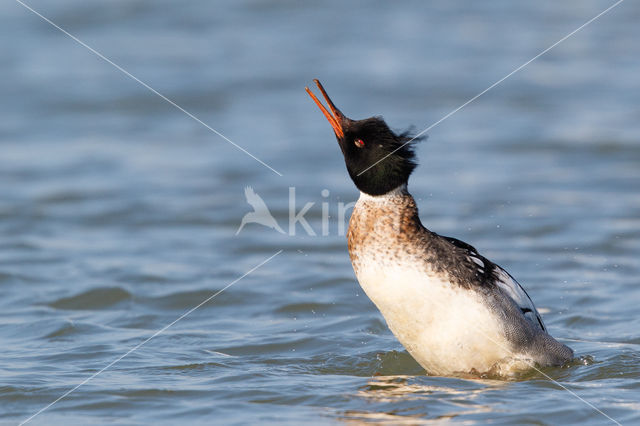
412, 400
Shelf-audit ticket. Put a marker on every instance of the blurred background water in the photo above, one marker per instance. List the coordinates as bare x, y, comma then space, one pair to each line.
118, 212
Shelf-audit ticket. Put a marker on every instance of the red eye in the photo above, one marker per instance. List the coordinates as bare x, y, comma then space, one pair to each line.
359, 143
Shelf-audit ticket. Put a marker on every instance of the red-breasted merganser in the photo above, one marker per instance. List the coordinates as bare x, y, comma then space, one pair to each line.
454, 310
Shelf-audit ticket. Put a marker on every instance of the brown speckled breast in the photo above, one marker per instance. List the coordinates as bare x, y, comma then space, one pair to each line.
386, 230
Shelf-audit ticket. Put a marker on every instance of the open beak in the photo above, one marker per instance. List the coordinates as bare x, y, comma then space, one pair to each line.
335, 119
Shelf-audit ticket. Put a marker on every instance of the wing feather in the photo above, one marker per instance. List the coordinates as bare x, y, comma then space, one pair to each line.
493, 274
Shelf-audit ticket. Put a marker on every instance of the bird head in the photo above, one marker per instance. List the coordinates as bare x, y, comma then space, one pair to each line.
377, 159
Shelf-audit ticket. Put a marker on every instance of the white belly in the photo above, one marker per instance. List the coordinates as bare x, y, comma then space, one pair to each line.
447, 329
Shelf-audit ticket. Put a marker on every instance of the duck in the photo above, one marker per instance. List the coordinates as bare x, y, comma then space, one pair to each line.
454, 310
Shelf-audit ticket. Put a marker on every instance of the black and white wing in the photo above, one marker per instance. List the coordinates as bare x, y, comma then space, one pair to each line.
492, 274
509, 285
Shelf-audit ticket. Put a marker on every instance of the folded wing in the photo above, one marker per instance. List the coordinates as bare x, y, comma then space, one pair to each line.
493, 275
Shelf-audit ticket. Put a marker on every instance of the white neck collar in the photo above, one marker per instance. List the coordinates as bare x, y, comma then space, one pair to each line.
397, 192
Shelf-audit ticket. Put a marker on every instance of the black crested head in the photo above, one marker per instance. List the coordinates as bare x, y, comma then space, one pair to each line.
378, 160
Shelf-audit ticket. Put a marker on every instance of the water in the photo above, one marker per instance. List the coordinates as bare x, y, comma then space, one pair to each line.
118, 212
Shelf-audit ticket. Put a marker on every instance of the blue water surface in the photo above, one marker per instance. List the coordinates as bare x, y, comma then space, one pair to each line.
119, 211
